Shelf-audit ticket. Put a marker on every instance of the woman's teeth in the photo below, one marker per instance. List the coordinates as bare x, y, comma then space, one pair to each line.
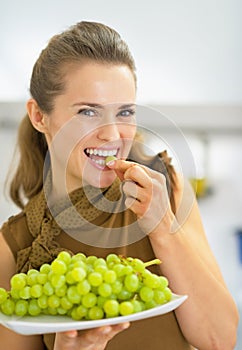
100, 152
94, 152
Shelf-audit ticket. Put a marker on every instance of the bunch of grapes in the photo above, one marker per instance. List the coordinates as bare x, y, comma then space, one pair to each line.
86, 288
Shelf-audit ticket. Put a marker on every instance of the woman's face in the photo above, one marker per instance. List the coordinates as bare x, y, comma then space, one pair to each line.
93, 118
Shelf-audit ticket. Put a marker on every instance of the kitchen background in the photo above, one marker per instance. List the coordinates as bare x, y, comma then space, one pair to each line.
188, 56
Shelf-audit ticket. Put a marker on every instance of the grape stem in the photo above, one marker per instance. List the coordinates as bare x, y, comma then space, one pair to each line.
152, 262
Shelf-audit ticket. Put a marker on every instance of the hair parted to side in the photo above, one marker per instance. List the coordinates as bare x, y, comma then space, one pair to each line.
85, 41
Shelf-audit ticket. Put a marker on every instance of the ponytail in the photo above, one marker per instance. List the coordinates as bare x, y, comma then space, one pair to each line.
28, 178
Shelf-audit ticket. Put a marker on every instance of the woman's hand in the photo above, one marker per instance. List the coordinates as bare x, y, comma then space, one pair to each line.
93, 339
146, 195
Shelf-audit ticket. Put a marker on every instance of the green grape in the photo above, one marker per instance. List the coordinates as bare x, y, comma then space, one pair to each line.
14, 293
83, 287
43, 301
105, 290
45, 269
48, 289
8, 307
131, 283
138, 265
3, 295
117, 286
159, 297
111, 308
78, 274
69, 278
110, 276
52, 311
101, 300
125, 294
61, 311
81, 311
57, 281
95, 279
25, 293
89, 300
65, 303
112, 259
138, 305
73, 295
152, 281
33, 308
78, 257
119, 269
95, 313
36, 291
61, 292
150, 304
163, 282
74, 314
127, 270
90, 260
18, 281
65, 257
168, 293
126, 308
53, 301
32, 277
146, 293
42, 278
110, 159
21, 308
102, 269
78, 263
99, 262
58, 267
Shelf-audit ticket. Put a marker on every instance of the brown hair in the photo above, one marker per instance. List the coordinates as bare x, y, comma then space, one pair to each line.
83, 41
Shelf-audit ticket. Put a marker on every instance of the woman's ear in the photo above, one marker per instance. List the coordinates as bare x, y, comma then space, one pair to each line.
36, 116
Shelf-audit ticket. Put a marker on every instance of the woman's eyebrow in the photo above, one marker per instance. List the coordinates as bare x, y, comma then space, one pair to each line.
129, 105
97, 105
90, 104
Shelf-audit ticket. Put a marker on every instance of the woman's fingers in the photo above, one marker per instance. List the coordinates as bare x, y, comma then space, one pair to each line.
146, 194
120, 167
93, 339
127, 170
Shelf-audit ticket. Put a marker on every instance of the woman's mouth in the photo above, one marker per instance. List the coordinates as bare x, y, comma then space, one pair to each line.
98, 155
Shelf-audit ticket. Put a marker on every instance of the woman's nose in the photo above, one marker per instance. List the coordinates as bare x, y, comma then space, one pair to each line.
109, 132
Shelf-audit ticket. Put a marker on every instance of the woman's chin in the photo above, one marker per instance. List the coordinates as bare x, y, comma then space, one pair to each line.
105, 179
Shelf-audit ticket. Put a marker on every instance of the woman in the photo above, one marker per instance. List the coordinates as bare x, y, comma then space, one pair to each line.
82, 108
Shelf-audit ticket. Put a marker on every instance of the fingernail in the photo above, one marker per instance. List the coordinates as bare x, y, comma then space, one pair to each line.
71, 334
106, 330
125, 325
110, 163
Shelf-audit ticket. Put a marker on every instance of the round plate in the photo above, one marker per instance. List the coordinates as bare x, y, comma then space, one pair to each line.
43, 324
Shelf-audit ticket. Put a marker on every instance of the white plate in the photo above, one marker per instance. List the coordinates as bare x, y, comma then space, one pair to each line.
43, 324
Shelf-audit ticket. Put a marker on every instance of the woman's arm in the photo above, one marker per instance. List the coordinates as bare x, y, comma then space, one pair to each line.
9, 339
208, 318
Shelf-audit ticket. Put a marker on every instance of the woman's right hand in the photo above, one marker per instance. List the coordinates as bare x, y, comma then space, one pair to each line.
92, 339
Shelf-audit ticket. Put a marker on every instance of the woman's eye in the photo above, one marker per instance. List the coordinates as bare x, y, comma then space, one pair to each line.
87, 112
126, 113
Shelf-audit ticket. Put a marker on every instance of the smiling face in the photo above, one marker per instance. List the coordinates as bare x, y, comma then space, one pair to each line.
92, 119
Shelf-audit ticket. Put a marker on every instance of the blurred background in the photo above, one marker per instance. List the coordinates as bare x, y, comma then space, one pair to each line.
188, 55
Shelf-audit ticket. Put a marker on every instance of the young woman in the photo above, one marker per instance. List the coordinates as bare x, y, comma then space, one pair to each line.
82, 108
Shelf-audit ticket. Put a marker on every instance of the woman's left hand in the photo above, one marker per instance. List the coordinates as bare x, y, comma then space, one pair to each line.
146, 195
